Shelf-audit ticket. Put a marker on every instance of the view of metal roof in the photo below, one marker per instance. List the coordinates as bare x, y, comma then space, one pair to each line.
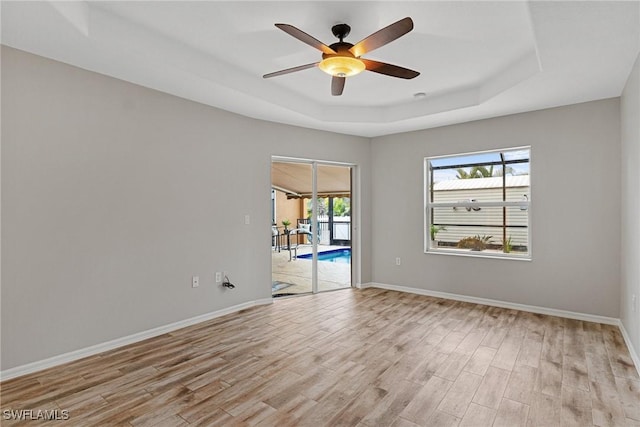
475, 183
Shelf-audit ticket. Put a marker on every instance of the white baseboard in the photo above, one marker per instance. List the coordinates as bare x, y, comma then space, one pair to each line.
119, 342
498, 303
632, 350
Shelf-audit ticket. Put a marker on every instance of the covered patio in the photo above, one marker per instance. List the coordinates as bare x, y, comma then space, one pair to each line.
294, 277
292, 193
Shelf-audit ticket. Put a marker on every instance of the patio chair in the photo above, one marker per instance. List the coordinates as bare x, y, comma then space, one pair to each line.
307, 228
275, 238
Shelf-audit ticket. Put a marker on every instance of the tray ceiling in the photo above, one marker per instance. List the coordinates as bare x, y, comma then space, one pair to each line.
477, 59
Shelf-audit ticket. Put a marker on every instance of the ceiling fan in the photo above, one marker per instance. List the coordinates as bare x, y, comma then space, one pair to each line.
343, 59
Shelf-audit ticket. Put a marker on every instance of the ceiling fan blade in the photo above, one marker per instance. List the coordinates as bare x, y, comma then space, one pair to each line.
290, 70
389, 69
337, 85
305, 38
382, 37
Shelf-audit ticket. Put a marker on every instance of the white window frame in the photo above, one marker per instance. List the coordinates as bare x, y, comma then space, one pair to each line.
428, 205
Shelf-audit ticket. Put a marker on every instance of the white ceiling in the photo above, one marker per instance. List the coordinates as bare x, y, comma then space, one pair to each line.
477, 59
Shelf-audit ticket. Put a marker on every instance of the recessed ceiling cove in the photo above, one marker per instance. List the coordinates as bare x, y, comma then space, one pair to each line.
476, 59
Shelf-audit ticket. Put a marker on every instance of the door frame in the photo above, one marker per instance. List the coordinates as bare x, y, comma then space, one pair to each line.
356, 259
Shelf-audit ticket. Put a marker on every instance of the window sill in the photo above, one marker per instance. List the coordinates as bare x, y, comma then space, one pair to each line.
487, 253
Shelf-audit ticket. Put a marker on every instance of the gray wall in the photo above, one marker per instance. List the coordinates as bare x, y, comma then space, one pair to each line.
114, 195
575, 190
630, 118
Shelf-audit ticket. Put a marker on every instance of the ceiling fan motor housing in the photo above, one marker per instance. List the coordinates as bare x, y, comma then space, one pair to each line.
341, 49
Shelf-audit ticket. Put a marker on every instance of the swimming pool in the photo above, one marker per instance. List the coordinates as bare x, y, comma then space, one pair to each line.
342, 256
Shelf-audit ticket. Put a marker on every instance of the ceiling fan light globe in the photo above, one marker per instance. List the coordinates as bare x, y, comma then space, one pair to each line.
342, 66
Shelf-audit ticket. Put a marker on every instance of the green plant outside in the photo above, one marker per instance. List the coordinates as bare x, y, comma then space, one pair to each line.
507, 246
476, 172
341, 206
435, 229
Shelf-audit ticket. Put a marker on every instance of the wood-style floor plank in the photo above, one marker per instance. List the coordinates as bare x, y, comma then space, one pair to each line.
364, 358
459, 396
480, 361
511, 414
521, 383
492, 388
545, 411
478, 416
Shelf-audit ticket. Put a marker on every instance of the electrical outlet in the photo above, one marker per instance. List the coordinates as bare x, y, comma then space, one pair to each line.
218, 277
195, 281
398, 261
634, 302
247, 220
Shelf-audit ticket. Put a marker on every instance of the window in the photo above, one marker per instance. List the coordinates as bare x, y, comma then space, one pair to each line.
478, 204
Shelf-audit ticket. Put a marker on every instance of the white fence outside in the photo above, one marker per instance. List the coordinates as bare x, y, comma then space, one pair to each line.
465, 217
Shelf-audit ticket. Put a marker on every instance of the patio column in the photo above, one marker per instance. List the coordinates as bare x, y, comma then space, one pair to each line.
330, 220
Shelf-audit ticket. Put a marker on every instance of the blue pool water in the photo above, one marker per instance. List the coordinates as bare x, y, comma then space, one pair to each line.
342, 256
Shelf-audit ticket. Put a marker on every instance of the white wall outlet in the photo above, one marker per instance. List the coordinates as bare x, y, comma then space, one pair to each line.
195, 281
218, 277
247, 220
398, 261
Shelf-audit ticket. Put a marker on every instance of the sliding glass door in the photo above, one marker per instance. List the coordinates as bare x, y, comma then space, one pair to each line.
312, 227
289, 182
334, 226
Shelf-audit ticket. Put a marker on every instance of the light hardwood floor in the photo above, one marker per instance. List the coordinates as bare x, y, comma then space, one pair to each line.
352, 358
